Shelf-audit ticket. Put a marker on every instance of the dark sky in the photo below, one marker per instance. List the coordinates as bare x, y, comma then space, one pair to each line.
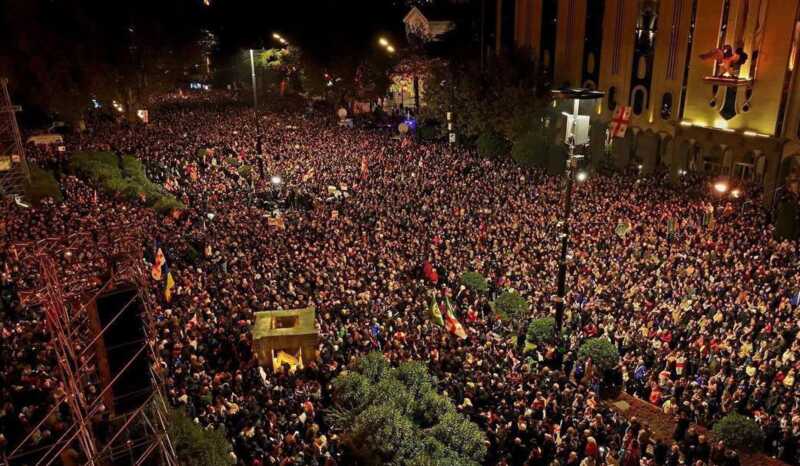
323, 28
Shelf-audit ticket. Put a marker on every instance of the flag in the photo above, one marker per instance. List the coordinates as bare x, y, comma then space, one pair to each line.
671, 227
623, 228
157, 265
170, 285
620, 121
364, 167
435, 312
453, 325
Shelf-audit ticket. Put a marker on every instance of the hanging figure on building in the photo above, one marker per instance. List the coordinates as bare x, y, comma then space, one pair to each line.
729, 59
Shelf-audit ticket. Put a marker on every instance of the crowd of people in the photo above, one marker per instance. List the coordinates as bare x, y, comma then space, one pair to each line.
702, 307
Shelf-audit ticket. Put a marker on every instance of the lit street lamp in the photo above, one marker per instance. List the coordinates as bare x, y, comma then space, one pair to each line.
575, 136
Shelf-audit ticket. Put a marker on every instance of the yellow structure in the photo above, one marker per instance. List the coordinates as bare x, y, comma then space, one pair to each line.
285, 337
712, 83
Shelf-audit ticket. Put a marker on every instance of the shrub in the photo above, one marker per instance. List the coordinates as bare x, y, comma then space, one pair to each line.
541, 330
492, 144
195, 446
43, 185
510, 306
129, 181
394, 416
739, 431
603, 353
474, 281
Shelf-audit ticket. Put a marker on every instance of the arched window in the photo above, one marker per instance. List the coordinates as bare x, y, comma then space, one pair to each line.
639, 100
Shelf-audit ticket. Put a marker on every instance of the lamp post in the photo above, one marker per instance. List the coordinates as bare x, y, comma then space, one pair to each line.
574, 137
253, 76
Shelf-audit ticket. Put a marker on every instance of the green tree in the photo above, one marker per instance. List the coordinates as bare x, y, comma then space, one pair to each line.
395, 416
541, 330
739, 431
603, 353
196, 446
475, 282
511, 306
492, 144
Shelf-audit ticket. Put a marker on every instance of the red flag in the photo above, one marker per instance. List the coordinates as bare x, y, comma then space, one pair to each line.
451, 323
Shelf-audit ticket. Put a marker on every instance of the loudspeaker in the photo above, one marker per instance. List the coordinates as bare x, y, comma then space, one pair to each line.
123, 355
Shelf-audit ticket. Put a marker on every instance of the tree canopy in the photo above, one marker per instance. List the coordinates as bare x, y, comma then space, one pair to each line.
395, 416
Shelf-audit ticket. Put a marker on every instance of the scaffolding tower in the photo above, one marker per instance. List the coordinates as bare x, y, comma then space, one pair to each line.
14, 172
70, 286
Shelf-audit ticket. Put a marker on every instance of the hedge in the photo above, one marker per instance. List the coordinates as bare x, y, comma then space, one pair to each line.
124, 177
43, 185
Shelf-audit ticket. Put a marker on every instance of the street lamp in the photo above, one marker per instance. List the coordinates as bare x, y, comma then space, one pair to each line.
576, 135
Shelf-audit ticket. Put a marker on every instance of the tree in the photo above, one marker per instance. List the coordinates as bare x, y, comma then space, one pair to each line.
739, 431
492, 144
541, 330
196, 446
603, 353
395, 416
475, 282
511, 306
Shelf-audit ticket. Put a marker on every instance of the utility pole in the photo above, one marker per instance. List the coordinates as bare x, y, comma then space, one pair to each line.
253, 76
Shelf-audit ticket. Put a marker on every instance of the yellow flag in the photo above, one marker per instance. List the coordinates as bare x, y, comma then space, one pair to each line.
169, 287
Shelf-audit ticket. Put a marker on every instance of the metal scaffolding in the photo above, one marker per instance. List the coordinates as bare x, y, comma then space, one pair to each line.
70, 287
14, 173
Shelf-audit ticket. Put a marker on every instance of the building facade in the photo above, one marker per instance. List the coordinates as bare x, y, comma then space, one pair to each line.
712, 84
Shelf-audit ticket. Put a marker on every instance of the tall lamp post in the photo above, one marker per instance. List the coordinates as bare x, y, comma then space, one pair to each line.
576, 135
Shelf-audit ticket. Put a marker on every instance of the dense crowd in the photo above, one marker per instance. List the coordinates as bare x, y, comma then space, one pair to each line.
703, 314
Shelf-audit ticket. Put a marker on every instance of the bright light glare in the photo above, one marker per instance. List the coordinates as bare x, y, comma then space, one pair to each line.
721, 187
276, 35
582, 176
390, 49
383, 41
276, 179
736, 193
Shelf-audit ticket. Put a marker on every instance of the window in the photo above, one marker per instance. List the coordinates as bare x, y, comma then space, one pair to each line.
666, 106
639, 100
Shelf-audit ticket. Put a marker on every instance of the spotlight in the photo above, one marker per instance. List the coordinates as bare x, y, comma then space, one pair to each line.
582, 176
721, 187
